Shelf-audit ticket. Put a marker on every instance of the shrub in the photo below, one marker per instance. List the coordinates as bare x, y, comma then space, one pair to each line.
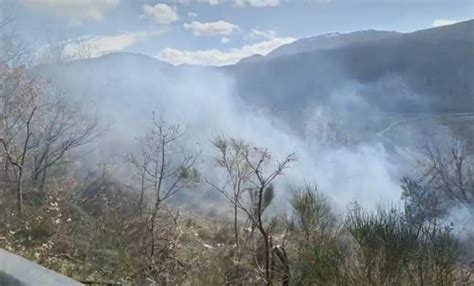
316, 256
392, 251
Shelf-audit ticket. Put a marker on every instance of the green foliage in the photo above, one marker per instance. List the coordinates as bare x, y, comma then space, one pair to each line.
268, 196
190, 174
318, 257
311, 210
392, 251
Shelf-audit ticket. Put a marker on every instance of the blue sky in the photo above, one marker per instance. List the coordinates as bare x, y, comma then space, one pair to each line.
213, 32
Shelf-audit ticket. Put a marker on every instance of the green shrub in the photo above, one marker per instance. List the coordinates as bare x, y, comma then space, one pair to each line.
392, 251
316, 253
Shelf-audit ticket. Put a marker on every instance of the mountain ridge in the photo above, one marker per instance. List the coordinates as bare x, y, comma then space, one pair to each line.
423, 71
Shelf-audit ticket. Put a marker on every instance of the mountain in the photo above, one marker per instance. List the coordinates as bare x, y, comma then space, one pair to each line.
251, 59
356, 73
329, 41
424, 71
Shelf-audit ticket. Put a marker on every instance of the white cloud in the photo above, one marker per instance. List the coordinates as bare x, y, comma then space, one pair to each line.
243, 3
443, 22
225, 40
100, 45
75, 10
160, 13
216, 57
211, 28
264, 34
254, 3
192, 14
257, 3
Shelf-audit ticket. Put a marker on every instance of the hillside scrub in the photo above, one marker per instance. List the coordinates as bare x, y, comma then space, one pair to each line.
93, 227
100, 225
91, 232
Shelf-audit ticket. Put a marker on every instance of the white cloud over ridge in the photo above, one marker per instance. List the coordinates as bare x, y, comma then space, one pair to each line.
162, 14
211, 28
103, 44
100, 45
443, 22
75, 10
264, 34
215, 57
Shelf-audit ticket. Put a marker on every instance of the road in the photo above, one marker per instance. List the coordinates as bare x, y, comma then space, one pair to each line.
404, 151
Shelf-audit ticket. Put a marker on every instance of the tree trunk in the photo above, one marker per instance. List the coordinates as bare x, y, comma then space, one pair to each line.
19, 191
6, 177
264, 235
267, 260
142, 193
43, 181
236, 228
281, 254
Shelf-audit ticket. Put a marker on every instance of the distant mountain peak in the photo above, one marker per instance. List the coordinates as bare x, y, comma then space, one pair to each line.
330, 41
253, 58
329, 35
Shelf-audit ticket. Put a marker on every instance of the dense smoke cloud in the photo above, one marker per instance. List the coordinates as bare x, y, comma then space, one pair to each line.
207, 104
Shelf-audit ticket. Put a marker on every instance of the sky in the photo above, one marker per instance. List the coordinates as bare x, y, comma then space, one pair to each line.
213, 32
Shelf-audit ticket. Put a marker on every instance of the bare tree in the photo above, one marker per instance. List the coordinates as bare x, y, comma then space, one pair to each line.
61, 128
55, 51
12, 49
60, 50
20, 103
140, 161
265, 171
166, 169
449, 171
231, 158
258, 170
83, 50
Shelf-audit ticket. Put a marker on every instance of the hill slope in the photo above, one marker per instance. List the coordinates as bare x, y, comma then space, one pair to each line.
427, 70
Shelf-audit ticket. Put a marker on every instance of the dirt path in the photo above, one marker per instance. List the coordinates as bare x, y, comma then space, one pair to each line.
404, 151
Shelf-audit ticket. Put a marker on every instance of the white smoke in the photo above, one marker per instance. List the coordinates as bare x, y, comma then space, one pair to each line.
207, 104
